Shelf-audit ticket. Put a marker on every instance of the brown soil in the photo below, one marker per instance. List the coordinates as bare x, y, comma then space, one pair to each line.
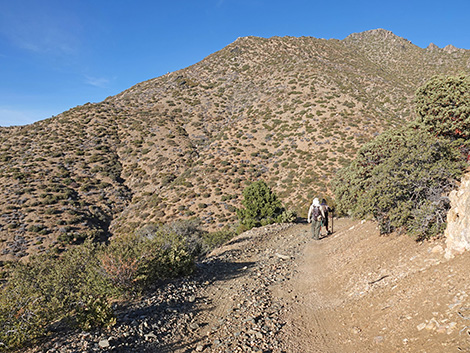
357, 291
275, 289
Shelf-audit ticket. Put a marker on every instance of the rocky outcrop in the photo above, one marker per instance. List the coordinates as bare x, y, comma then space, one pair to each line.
451, 49
458, 220
432, 47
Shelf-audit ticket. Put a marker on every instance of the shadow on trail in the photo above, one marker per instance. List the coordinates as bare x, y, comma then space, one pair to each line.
237, 240
207, 273
163, 322
220, 270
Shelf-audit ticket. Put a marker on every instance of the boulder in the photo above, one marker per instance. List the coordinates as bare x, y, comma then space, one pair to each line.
457, 233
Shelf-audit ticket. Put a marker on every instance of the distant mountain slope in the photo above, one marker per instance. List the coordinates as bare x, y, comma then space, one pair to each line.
288, 110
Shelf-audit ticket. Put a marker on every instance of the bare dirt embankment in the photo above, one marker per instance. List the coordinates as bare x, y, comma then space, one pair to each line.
361, 292
274, 289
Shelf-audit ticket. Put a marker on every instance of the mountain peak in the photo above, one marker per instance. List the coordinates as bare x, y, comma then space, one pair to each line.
185, 144
451, 49
374, 35
432, 47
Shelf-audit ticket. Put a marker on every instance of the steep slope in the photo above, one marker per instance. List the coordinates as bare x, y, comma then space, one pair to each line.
288, 110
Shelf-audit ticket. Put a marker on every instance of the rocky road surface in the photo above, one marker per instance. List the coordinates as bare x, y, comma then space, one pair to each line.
274, 289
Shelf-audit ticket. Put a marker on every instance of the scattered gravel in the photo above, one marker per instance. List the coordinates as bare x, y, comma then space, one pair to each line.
226, 306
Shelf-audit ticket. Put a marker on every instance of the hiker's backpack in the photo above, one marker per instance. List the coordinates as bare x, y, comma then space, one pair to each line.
316, 213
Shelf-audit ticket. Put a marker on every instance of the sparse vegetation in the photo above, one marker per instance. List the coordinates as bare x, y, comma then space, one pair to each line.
185, 145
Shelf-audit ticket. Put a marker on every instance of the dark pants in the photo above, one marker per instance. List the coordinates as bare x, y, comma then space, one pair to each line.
316, 225
325, 221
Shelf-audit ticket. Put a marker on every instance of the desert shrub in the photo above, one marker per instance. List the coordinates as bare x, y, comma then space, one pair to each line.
76, 288
184, 228
145, 257
190, 230
287, 216
120, 264
168, 179
401, 179
198, 241
47, 289
67, 237
261, 206
216, 239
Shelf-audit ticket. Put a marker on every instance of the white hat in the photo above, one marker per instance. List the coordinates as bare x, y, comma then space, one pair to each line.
316, 202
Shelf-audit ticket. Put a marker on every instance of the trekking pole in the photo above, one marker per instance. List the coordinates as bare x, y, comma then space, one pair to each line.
331, 222
332, 218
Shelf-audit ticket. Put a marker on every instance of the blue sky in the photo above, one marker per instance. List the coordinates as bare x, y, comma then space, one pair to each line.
57, 54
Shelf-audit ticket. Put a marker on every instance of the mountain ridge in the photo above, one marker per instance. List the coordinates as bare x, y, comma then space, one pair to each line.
285, 109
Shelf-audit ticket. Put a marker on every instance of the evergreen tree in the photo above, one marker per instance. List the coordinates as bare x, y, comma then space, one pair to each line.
397, 176
443, 106
261, 206
403, 177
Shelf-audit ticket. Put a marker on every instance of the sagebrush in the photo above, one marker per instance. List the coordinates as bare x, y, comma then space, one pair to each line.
78, 287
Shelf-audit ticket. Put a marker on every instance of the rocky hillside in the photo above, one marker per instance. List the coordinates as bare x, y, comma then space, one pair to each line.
287, 110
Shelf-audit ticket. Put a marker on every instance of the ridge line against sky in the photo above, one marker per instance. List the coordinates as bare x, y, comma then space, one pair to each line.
55, 54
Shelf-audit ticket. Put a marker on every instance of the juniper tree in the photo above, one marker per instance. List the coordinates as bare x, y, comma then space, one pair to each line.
403, 177
262, 206
443, 106
397, 176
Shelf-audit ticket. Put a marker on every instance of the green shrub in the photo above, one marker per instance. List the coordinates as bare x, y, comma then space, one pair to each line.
138, 260
190, 230
287, 216
261, 204
77, 287
198, 241
48, 289
213, 240
397, 176
95, 312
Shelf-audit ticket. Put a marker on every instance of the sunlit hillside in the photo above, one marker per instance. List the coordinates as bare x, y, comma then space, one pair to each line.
291, 111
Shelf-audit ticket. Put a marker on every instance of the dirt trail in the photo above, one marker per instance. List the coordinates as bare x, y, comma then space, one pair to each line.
357, 291
354, 291
275, 289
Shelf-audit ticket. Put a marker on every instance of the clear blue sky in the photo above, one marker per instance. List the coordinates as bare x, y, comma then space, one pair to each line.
57, 54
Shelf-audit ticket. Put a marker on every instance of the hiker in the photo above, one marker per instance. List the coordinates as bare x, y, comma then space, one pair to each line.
315, 216
325, 208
